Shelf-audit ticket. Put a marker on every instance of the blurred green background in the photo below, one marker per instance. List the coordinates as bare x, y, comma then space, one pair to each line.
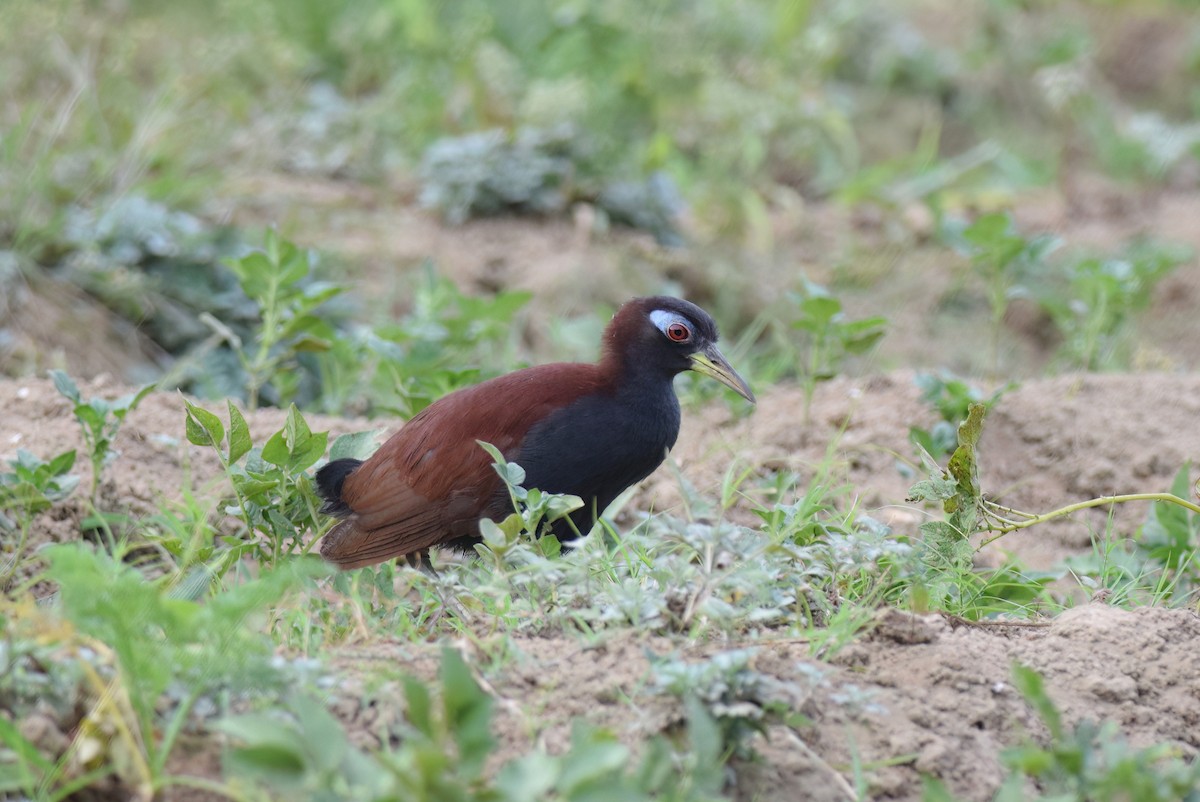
750, 155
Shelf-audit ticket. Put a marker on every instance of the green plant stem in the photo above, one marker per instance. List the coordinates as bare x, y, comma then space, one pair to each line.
158, 761
11, 568
258, 369
1033, 520
199, 783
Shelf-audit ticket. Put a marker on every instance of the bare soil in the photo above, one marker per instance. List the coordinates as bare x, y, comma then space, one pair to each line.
921, 695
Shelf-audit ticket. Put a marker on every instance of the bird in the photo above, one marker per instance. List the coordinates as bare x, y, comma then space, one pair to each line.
586, 429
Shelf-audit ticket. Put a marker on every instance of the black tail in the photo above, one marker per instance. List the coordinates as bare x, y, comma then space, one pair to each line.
329, 484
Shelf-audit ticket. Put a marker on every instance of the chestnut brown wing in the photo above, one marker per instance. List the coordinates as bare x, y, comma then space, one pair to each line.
431, 482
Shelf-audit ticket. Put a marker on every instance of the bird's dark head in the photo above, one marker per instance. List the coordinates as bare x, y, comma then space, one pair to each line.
669, 335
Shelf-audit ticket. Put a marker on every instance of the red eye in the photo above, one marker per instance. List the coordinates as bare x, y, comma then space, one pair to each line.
679, 332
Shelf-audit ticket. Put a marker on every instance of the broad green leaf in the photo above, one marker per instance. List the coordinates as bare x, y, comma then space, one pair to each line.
249, 486
468, 713
358, 445
275, 450
239, 434
595, 756
269, 761
1031, 685
295, 431
559, 506
493, 536
202, 427
92, 417
126, 404
935, 532
821, 310
530, 777
707, 744
309, 453
963, 462
311, 344
62, 463
65, 385
934, 488
326, 738
419, 706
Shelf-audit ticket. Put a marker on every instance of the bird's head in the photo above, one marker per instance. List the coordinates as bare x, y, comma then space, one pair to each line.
673, 335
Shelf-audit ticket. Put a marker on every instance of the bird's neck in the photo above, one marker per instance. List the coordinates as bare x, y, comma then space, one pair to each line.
639, 379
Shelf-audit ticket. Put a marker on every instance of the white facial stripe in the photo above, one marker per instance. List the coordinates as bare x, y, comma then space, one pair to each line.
662, 319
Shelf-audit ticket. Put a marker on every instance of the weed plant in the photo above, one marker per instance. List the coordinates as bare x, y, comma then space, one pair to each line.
99, 420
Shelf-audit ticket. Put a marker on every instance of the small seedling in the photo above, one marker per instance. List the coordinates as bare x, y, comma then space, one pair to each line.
446, 341
276, 280
829, 337
1103, 296
952, 398
100, 420
1004, 259
741, 700
29, 488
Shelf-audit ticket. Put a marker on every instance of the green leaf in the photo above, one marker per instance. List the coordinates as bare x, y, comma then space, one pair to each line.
65, 385
275, 450
1033, 688
203, 428
530, 777
468, 713
325, 736
493, 536
270, 762
252, 486
963, 462
308, 454
512, 474
932, 489
64, 462
936, 533
595, 757
126, 404
91, 416
358, 445
707, 745
296, 431
28, 755
311, 344
560, 505
820, 310
239, 435
419, 706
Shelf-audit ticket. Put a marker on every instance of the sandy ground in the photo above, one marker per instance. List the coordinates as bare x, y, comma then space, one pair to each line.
930, 691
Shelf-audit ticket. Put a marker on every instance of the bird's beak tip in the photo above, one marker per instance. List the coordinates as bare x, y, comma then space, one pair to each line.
711, 362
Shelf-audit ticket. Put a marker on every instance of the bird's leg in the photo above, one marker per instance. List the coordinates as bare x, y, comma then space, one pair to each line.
420, 560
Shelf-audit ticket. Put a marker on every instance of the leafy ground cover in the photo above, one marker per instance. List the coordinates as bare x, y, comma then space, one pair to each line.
904, 218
